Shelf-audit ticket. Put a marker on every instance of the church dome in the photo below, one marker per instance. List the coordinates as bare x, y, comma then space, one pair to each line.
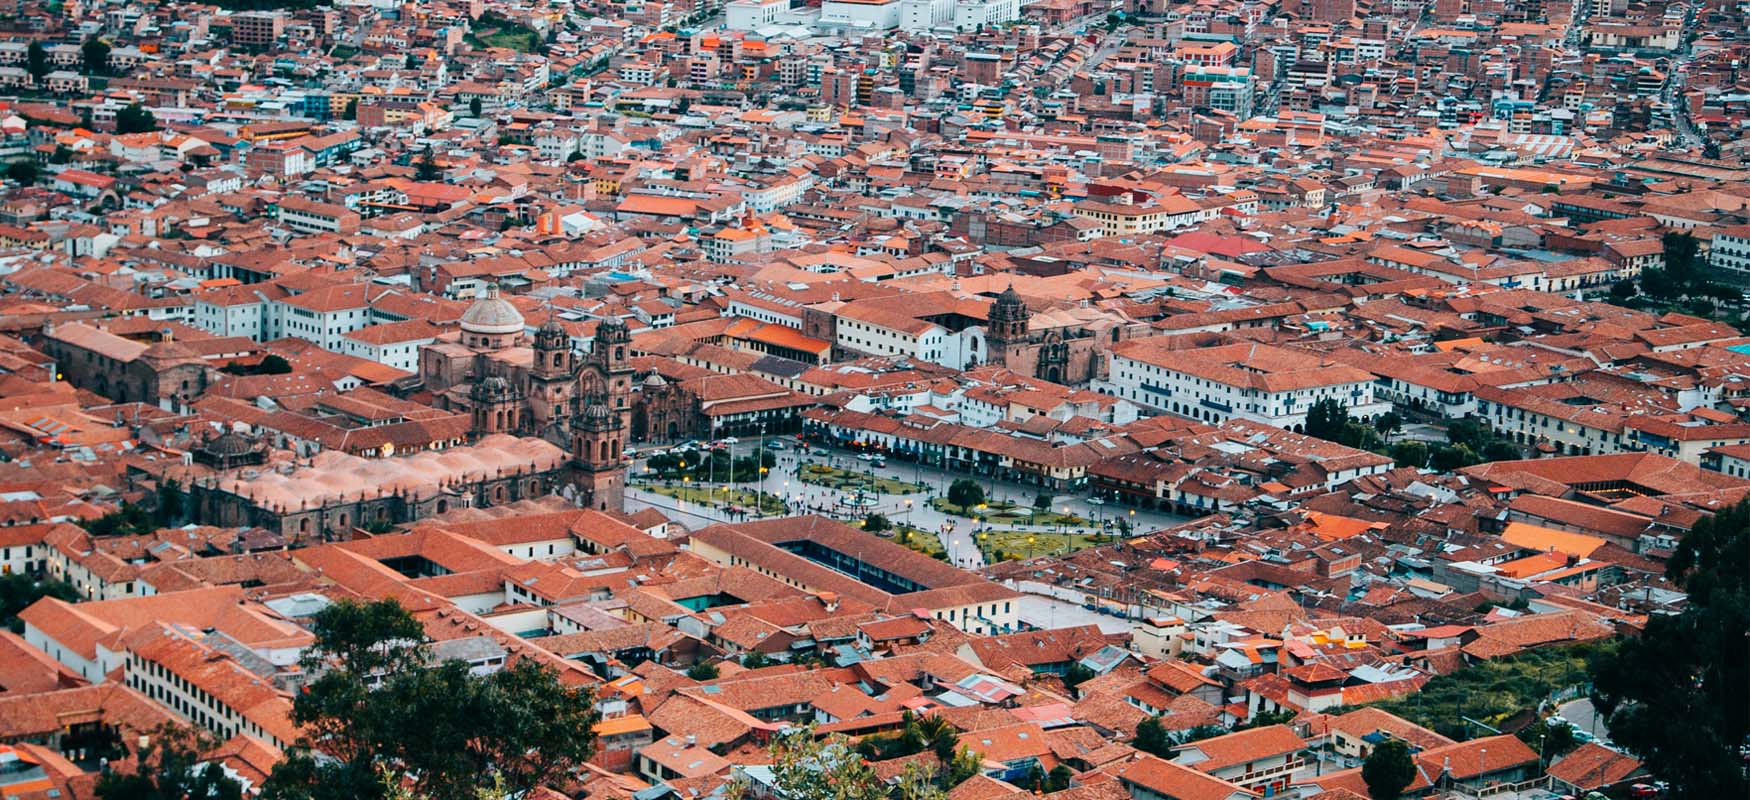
491, 315
229, 443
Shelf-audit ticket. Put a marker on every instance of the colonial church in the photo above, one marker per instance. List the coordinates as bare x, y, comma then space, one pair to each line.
509, 384
1061, 345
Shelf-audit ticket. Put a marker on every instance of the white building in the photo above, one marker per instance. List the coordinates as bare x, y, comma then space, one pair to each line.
747, 15
879, 333
1262, 383
869, 15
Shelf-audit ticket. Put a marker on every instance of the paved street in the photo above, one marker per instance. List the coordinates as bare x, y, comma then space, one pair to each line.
1583, 716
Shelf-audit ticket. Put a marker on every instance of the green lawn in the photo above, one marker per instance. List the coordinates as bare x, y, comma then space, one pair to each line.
1492, 691
922, 541
1006, 513
704, 495
1013, 545
521, 40
848, 480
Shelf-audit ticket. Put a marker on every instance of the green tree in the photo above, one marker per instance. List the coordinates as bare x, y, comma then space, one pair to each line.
919, 780
273, 364
1151, 738
166, 770
19, 592
805, 768
755, 660
1453, 457
1678, 696
94, 52
62, 155
1659, 285
1623, 291
377, 707
965, 493
876, 523
965, 764
1196, 734
1388, 769
1076, 675
351, 111
702, 671
474, 108
169, 508
1058, 779
1042, 501
427, 169
135, 118
1388, 423
1410, 454
1681, 252
1326, 420
37, 61
1501, 450
23, 170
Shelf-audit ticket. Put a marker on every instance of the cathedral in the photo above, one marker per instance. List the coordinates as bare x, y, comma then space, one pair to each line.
509, 384
1061, 345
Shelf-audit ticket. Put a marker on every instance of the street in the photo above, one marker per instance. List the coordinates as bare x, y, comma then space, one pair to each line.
1584, 717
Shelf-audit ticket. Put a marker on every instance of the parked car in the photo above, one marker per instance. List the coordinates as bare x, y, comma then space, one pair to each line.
878, 462
774, 445
819, 452
865, 456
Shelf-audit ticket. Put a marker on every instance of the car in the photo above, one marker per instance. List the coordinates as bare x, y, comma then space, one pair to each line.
774, 445
819, 452
878, 462
1641, 791
729, 440
865, 457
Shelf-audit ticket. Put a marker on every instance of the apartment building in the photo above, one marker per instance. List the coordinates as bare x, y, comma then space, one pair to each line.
1258, 382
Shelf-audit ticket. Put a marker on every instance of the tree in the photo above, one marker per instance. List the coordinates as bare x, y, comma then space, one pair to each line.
919, 781
1453, 457
804, 768
474, 108
23, 170
94, 52
1388, 423
273, 364
19, 592
427, 168
1326, 420
351, 111
1058, 779
1042, 501
1410, 454
1151, 738
377, 707
63, 154
37, 61
702, 671
166, 770
965, 493
1681, 251
135, 118
964, 765
1388, 769
876, 523
1076, 675
755, 660
169, 501
1501, 450
1678, 696
1623, 291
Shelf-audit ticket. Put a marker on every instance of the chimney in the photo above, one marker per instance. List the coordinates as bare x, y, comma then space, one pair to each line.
692, 740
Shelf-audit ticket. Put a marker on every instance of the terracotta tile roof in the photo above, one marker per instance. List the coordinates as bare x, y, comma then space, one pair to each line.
1593, 766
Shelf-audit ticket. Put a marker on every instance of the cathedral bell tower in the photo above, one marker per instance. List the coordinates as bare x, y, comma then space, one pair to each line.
597, 441
552, 376
1008, 326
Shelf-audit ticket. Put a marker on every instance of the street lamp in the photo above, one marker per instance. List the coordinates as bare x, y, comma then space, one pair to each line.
1029, 547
